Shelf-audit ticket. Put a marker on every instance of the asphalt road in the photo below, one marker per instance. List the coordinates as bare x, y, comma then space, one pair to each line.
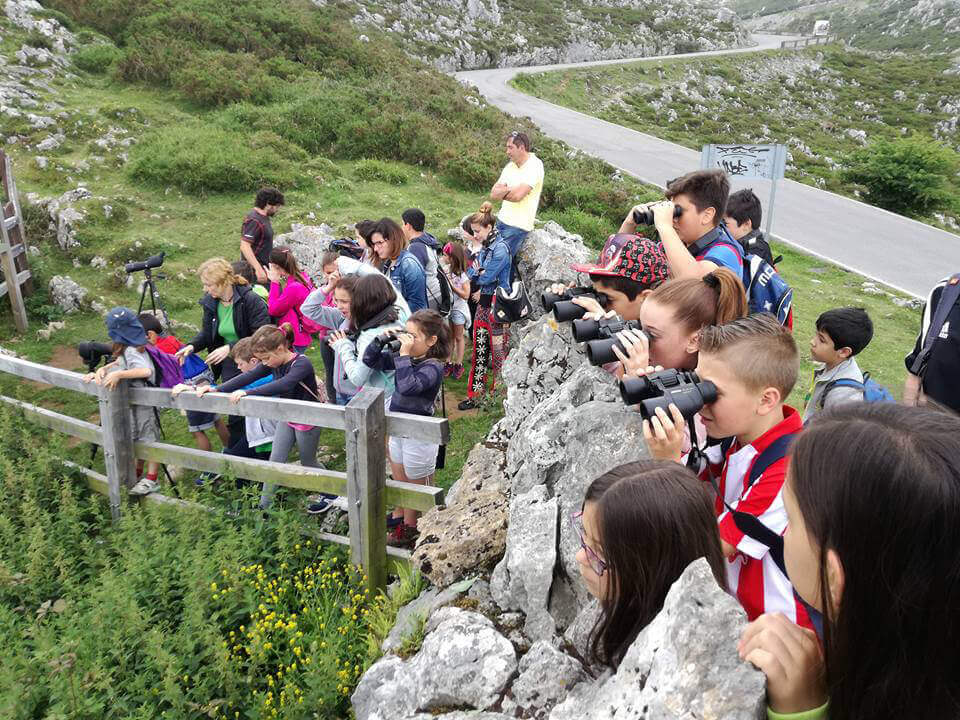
899, 252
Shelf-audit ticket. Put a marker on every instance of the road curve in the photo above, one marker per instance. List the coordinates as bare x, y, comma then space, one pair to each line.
904, 254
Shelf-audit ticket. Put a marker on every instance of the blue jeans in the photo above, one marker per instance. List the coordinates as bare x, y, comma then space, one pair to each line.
513, 235
343, 399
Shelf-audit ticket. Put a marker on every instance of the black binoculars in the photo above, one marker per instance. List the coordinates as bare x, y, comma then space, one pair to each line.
645, 217
683, 388
601, 337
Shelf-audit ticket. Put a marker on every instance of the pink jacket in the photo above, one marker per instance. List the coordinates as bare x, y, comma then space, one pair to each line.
284, 306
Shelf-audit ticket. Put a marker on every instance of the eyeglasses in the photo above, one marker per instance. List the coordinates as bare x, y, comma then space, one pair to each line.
596, 563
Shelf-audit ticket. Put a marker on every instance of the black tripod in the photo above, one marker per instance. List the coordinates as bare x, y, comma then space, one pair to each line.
150, 288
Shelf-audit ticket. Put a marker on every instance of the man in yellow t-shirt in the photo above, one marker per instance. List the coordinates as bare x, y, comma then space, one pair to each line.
519, 187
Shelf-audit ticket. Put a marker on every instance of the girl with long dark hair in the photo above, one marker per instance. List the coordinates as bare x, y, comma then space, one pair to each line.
289, 287
641, 525
873, 501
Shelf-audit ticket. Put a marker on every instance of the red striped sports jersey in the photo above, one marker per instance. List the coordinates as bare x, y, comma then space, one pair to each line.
752, 575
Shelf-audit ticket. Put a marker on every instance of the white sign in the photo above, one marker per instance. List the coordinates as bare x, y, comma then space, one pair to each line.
746, 161
767, 162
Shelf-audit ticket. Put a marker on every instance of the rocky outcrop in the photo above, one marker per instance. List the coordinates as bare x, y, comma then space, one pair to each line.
67, 294
308, 243
684, 664
463, 662
546, 677
463, 34
546, 257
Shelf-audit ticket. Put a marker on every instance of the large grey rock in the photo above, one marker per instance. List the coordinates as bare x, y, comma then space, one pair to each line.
683, 665
546, 257
464, 662
308, 243
482, 472
461, 715
462, 539
546, 677
67, 294
67, 220
580, 432
522, 579
577, 634
418, 610
543, 357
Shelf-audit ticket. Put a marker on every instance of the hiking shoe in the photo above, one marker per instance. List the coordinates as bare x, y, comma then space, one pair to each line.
402, 536
468, 404
458, 372
144, 486
206, 477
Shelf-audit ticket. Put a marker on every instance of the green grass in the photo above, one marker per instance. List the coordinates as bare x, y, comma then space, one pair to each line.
750, 98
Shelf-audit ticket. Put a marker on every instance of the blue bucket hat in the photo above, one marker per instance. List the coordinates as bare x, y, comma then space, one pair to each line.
124, 327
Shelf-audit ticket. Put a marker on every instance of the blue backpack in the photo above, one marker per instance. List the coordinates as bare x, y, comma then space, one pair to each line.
766, 290
873, 392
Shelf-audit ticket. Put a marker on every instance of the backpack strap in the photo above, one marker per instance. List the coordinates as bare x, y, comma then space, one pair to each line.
842, 382
748, 524
948, 298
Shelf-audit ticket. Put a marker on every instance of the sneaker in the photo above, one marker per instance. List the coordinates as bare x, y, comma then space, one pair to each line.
458, 372
319, 507
339, 502
206, 477
447, 369
468, 404
393, 522
402, 536
144, 486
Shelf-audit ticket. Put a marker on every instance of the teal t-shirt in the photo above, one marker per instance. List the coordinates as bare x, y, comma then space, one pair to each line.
225, 323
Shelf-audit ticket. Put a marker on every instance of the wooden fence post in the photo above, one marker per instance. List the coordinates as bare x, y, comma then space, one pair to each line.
366, 484
117, 442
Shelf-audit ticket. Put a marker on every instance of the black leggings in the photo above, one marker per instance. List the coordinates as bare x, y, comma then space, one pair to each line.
326, 354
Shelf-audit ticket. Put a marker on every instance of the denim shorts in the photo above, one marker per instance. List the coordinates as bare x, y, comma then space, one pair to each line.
458, 318
198, 421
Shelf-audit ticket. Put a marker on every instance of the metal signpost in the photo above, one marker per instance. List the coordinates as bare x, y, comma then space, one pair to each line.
767, 162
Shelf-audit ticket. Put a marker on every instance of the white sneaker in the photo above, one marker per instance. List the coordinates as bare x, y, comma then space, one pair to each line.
144, 486
339, 502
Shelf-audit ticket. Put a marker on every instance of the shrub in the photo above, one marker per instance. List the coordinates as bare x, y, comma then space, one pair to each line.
97, 58
378, 170
37, 39
909, 176
221, 78
202, 159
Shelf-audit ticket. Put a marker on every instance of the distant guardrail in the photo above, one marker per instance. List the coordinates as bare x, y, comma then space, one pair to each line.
808, 41
364, 484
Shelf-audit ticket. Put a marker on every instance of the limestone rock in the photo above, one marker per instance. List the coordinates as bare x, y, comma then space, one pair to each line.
463, 538
577, 635
544, 356
482, 471
420, 609
464, 662
67, 294
308, 243
561, 444
461, 715
546, 676
522, 580
683, 665
546, 257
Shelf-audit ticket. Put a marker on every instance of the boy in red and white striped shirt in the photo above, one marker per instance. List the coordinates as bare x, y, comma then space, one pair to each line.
754, 364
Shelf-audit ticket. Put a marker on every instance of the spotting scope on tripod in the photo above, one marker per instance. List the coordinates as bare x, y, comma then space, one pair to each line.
149, 286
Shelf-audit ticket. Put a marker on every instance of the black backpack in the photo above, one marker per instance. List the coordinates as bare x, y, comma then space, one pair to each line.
347, 247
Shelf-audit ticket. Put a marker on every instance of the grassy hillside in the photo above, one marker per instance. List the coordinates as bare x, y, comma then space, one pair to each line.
823, 103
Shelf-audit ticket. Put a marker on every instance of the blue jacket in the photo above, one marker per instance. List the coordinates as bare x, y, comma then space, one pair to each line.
408, 277
491, 268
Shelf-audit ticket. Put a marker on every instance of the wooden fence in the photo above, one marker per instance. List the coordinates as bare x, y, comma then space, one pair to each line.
808, 41
364, 421
17, 280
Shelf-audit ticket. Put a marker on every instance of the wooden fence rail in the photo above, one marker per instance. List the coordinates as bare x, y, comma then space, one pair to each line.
364, 421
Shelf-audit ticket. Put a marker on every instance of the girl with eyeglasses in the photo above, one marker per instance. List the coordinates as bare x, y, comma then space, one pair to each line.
640, 526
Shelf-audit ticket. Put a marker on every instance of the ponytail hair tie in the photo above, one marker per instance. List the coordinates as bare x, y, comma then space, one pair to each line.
711, 281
